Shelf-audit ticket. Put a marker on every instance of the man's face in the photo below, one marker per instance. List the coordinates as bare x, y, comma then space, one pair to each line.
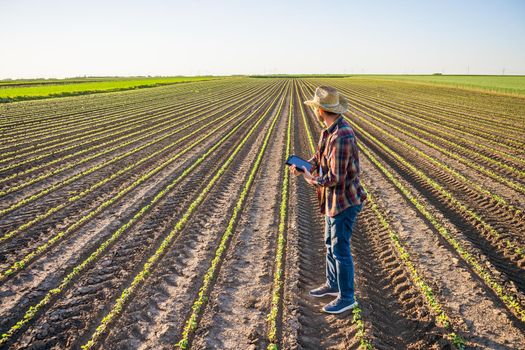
317, 112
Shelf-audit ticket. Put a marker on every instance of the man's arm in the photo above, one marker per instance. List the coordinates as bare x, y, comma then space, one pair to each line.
340, 153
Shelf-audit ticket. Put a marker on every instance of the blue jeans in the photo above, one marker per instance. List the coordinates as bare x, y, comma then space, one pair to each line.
339, 263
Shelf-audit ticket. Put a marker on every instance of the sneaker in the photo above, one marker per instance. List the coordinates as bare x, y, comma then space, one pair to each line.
323, 291
339, 305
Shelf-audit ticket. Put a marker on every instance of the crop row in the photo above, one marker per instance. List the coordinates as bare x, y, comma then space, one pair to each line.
432, 108
278, 280
432, 134
428, 114
471, 106
80, 268
515, 185
21, 116
467, 107
164, 115
500, 200
466, 135
440, 315
438, 311
509, 300
45, 246
121, 122
476, 188
98, 184
71, 179
166, 243
357, 318
77, 123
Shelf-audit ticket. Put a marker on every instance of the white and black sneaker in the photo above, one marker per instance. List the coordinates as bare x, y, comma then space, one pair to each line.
339, 305
324, 291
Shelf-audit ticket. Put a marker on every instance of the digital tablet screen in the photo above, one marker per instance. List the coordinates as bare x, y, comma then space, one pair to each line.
298, 162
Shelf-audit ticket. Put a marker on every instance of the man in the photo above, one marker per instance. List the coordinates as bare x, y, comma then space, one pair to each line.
335, 173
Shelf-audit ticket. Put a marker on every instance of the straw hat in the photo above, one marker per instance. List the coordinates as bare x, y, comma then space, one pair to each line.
329, 99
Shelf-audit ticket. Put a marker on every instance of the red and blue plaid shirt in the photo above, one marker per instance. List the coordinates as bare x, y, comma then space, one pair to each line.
336, 169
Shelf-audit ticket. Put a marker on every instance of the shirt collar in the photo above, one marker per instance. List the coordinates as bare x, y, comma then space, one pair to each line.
332, 126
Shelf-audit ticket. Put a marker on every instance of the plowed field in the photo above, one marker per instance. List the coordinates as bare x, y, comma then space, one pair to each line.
166, 218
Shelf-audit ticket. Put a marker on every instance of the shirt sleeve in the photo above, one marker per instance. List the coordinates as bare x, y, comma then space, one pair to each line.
339, 157
315, 159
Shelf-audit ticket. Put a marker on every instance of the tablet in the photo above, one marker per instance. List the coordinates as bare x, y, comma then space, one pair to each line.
298, 162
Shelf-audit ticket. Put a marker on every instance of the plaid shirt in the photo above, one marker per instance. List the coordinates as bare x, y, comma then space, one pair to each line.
336, 169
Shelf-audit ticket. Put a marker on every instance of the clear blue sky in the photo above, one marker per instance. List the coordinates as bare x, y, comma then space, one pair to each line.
48, 38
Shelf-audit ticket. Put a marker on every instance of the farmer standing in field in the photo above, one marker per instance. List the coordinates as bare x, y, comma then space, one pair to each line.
335, 174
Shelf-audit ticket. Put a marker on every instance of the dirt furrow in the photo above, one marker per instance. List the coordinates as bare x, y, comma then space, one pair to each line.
471, 231
83, 305
79, 112
155, 317
309, 328
235, 317
44, 229
479, 315
60, 171
53, 264
392, 305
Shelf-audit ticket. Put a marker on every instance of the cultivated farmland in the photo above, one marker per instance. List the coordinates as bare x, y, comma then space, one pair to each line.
165, 218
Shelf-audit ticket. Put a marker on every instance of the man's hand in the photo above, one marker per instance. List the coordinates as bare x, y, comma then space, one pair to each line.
294, 170
308, 176
306, 173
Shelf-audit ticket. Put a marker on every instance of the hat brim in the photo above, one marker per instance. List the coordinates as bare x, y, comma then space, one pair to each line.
342, 107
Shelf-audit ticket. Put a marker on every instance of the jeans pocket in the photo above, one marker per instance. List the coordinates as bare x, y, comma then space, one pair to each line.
350, 219
348, 225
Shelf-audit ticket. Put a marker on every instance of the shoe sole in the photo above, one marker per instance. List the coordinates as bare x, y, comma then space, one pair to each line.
324, 295
342, 310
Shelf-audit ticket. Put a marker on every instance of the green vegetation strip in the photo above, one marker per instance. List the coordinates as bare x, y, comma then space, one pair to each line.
11, 94
357, 318
146, 270
82, 123
500, 84
53, 293
281, 242
77, 114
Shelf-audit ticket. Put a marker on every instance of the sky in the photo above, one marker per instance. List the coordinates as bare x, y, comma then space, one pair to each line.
127, 38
